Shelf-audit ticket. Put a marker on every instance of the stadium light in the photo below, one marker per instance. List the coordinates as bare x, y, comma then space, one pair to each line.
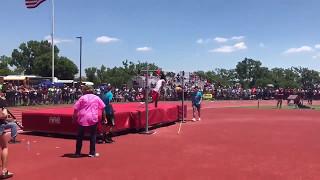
80, 37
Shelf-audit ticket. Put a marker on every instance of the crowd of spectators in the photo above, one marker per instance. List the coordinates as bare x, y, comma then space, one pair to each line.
267, 93
34, 95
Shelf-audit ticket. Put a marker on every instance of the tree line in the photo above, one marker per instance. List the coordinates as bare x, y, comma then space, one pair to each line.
250, 73
34, 58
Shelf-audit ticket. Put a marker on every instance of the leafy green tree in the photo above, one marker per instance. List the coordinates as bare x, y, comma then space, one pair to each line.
284, 78
201, 74
65, 68
264, 78
277, 77
221, 77
129, 67
248, 72
28, 53
117, 76
143, 66
307, 78
101, 74
4, 66
42, 66
227, 77
291, 79
211, 76
91, 74
35, 58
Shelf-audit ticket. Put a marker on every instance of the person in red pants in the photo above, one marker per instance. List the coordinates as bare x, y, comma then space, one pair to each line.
155, 93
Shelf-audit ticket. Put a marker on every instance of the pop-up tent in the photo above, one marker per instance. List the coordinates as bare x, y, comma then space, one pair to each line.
48, 83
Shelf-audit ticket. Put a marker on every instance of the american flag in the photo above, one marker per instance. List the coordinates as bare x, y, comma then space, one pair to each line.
33, 3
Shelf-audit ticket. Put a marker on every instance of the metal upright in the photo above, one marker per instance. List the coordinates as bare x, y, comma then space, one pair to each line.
182, 119
182, 103
146, 101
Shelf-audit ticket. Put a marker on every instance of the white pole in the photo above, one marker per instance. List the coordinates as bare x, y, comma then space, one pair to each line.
147, 98
182, 104
182, 96
52, 40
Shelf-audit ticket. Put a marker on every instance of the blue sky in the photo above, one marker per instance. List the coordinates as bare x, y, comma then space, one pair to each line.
175, 34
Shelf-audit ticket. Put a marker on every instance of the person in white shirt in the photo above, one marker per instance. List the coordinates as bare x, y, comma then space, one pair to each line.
155, 93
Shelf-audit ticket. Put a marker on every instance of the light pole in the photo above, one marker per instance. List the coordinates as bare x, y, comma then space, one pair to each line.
80, 37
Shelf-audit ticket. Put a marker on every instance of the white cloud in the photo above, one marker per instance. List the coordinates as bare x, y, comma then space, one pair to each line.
144, 49
56, 40
200, 41
106, 39
299, 50
317, 46
223, 49
223, 40
317, 56
240, 46
204, 41
261, 45
229, 49
237, 38
220, 39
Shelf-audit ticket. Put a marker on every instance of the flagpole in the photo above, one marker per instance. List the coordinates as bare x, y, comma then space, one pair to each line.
52, 40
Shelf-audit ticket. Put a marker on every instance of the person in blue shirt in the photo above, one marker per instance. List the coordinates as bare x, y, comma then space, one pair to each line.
196, 103
110, 123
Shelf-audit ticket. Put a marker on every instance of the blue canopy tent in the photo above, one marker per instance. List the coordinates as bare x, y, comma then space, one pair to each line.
48, 84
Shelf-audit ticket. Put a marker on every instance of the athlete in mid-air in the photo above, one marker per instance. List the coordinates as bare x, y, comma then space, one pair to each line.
155, 93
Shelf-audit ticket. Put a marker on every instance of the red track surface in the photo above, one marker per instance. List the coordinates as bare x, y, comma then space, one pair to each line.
229, 143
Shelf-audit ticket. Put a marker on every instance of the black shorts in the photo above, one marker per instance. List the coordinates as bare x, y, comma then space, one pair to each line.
110, 119
197, 106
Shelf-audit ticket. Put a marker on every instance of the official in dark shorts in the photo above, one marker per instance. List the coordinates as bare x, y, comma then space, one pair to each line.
279, 96
110, 120
196, 103
109, 123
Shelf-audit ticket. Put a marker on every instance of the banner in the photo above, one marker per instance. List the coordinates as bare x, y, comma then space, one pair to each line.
207, 96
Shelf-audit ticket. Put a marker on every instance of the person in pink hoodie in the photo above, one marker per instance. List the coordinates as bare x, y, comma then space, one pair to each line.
87, 113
